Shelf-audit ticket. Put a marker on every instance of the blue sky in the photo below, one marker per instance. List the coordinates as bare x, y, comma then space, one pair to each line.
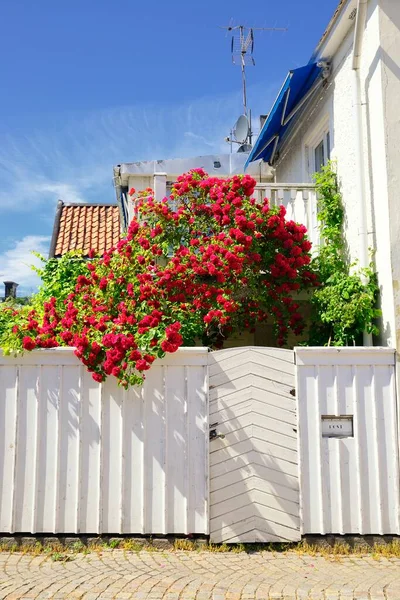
88, 84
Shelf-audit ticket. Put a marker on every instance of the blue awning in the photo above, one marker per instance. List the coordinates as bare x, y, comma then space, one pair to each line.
300, 84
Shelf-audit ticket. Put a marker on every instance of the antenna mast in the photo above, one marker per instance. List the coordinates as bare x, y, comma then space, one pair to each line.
242, 47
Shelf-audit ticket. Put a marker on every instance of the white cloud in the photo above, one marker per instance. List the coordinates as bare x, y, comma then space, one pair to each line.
15, 262
72, 158
200, 138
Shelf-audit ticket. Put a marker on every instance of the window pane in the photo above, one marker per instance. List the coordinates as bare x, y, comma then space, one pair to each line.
328, 145
319, 156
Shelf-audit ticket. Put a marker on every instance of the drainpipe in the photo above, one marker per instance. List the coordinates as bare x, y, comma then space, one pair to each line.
359, 156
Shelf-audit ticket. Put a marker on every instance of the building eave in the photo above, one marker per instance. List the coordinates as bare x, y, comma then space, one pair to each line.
56, 229
336, 30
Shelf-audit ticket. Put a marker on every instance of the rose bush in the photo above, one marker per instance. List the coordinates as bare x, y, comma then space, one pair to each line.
197, 266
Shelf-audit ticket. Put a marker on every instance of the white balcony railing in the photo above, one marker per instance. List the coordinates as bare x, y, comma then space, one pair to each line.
299, 199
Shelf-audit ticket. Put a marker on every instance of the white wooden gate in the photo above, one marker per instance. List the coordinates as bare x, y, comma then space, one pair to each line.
254, 489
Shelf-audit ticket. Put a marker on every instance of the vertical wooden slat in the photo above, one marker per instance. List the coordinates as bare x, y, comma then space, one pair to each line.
133, 462
79, 454
47, 448
69, 444
375, 414
320, 401
167, 507
36, 461
386, 420
111, 434
58, 450
25, 466
198, 430
8, 430
14, 470
123, 463
100, 481
188, 488
144, 461
357, 428
176, 449
337, 515
154, 408
348, 482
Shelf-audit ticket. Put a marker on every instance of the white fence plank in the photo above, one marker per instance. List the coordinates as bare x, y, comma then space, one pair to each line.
77, 456
198, 453
8, 429
26, 445
348, 485
90, 455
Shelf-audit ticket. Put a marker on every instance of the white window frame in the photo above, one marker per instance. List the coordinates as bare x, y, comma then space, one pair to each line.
321, 133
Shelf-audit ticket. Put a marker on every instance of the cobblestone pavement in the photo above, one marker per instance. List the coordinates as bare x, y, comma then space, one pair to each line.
198, 576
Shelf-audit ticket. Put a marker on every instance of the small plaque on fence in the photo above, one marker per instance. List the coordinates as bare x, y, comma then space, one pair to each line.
337, 427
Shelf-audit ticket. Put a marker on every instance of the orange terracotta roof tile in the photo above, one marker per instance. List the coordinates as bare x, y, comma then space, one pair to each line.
84, 227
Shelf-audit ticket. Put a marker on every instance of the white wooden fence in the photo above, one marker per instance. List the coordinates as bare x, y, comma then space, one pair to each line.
81, 457
348, 436
78, 456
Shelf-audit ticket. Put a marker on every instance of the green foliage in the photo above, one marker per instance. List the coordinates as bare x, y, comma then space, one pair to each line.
58, 276
344, 306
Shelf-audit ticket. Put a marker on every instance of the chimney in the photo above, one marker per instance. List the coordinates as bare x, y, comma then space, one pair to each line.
10, 290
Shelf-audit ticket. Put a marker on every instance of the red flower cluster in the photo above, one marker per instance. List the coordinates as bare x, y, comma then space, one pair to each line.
173, 338
202, 264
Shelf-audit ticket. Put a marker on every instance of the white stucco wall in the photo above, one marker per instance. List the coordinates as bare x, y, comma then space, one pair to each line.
380, 85
389, 61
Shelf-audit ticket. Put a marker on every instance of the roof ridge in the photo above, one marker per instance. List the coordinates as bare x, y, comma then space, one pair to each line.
88, 204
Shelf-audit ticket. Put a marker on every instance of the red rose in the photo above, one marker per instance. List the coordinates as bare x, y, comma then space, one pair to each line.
142, 365
28, 343
98, 377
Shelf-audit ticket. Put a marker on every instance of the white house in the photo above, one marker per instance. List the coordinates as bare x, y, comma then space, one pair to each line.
345, 105
341, 105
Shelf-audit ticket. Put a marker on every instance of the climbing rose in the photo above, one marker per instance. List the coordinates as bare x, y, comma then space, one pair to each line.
195, 267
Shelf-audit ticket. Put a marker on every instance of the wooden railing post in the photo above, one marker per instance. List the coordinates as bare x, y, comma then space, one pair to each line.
160, 185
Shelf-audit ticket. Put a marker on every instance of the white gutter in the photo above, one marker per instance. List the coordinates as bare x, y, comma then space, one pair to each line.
359, 154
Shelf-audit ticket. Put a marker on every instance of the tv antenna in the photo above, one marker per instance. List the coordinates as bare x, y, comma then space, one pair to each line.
242, 48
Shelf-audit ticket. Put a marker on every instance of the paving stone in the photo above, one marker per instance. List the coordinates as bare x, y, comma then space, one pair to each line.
162, 543
9, 542
203, 575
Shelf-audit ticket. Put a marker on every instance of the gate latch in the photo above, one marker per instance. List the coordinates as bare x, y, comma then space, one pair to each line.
213, 432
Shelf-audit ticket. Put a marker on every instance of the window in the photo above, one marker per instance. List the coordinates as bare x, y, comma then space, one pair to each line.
319, 156
322, 152
317, 148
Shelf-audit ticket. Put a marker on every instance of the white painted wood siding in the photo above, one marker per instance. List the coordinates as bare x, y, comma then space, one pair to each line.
254, 489
348, 485
77, 456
